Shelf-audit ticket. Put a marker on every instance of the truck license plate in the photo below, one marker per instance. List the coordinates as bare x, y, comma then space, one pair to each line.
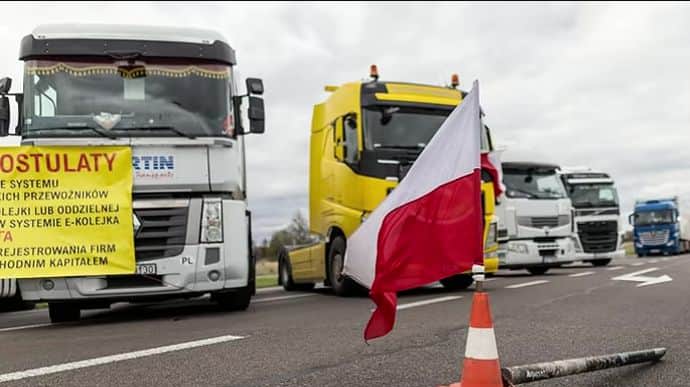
148, 269
549, 259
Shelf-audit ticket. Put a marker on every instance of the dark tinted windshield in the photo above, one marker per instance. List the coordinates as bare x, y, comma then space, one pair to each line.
593, 195
137, 99
653, 217
533, 185
400, 127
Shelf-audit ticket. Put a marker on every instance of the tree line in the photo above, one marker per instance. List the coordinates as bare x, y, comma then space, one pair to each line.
296, 233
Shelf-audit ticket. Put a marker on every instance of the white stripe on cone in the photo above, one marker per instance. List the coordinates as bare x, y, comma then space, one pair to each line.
481, 344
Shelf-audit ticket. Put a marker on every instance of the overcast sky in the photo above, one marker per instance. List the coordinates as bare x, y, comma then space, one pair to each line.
606, 86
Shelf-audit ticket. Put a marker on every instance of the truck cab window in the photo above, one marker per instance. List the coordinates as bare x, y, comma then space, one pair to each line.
45, 98
351, 144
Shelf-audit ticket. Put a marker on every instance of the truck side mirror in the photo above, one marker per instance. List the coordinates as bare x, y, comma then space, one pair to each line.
255, 86
5, 85
256, 115
4, 116
631, 219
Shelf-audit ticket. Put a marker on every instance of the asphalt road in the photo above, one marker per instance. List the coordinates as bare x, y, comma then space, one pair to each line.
315, 338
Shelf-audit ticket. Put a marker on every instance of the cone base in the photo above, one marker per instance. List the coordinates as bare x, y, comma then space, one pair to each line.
481, 373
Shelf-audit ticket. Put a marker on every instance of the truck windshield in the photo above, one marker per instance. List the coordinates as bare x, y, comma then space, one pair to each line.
533, 185
397, 127
400, 127
136, 98
647, 218
593, 195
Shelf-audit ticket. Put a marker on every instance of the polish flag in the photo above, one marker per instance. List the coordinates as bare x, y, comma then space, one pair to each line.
430, 226
491, 162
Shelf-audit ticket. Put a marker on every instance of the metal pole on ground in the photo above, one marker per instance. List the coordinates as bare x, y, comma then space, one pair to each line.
556, 369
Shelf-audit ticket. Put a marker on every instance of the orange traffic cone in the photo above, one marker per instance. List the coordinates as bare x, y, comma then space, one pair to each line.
480, 367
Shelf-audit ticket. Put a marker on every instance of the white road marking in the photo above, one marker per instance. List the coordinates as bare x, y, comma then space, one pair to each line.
114, 358
637, 263
645, 281
654, 261
269, 299
427, 302
612, 268
24, 327
584, 273
525, 284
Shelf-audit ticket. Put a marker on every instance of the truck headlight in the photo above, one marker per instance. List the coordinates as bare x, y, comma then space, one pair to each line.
491, 237
519, 248
212, 222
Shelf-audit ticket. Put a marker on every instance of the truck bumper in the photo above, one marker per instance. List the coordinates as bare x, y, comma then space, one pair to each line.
594, 256
519, 254
651, 250
192, 272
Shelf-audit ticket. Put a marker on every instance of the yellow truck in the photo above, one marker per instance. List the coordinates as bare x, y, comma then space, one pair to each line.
364, 138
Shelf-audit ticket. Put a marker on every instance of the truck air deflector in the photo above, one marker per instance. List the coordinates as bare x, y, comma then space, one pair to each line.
32, 48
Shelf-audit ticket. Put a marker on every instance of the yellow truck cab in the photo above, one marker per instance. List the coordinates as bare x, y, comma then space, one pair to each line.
364, 138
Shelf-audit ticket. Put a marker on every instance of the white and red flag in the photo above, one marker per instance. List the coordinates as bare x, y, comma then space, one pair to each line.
491, 162
430, 226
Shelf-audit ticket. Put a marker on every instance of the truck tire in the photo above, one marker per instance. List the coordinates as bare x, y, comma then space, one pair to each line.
601, 262
342, 286
537, 270
60, 312
457, 282
285, 276
234, 300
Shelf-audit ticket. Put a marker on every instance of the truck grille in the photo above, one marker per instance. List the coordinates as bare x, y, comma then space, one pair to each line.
654, 238
543, 221
598, 237
133, 281
162, 234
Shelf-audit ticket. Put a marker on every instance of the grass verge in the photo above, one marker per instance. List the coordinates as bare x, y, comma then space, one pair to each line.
265, 281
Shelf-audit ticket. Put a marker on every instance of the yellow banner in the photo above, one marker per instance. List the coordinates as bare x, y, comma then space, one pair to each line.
65, 211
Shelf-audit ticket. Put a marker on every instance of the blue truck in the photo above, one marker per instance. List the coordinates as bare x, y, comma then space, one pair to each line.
659, 227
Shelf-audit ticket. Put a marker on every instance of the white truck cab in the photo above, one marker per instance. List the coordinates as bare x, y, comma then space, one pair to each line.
535, 215
597, 214
171, 95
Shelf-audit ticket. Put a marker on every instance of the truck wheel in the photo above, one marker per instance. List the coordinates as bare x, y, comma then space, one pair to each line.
285, 273
63, 312
457, 282
537, 270
234, 300
601, 262
342, 286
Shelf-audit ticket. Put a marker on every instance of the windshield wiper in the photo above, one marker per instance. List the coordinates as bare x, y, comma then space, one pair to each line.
169, 128
100, 131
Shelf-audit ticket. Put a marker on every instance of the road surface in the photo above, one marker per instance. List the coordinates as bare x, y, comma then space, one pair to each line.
315, 339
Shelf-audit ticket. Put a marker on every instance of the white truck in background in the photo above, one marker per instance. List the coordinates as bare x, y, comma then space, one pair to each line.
597, 214
536, 213
171, 95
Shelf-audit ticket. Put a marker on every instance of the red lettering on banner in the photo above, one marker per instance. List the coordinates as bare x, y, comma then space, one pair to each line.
22, 162
110, 160
83, 163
